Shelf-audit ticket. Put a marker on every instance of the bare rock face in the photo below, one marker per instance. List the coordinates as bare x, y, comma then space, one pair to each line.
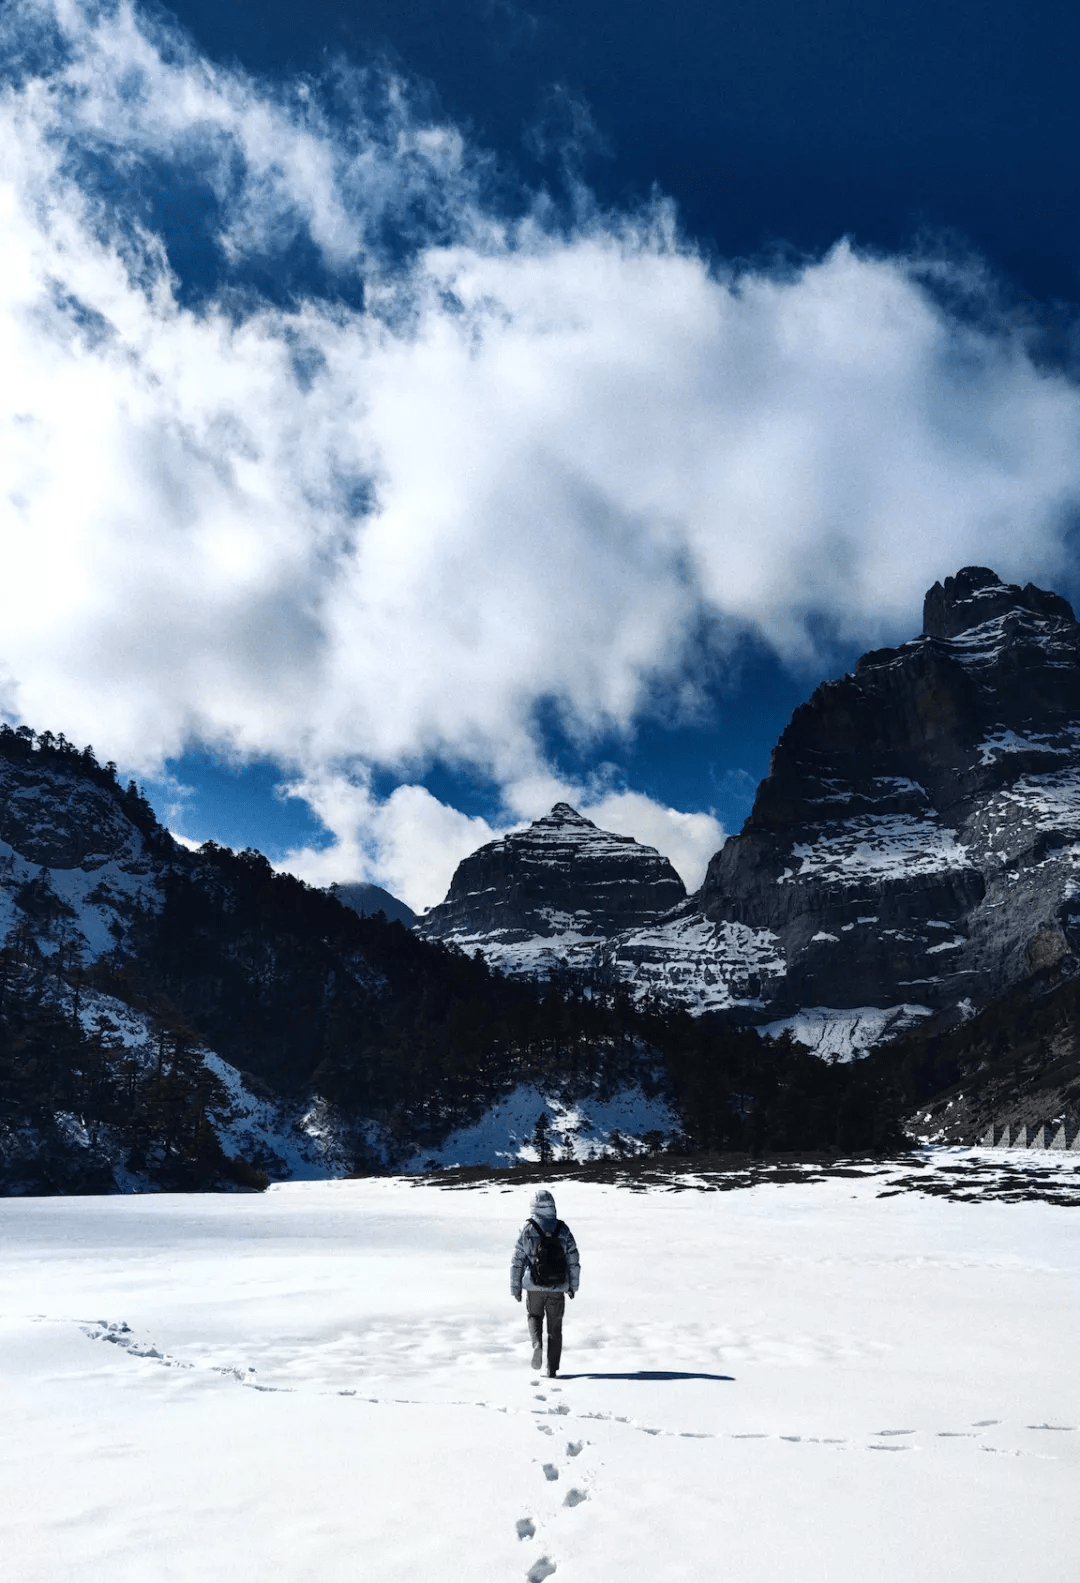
562, 879
915, 847
61, 820
917, 838
977, 595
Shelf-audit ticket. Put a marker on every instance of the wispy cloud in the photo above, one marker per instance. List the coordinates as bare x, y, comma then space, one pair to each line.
482, 464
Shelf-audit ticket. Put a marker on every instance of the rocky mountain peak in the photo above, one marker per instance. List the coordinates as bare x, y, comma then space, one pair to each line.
562, 816
912, 845
977, 595
561, 877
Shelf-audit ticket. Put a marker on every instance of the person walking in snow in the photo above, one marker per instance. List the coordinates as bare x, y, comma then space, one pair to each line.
547, 1267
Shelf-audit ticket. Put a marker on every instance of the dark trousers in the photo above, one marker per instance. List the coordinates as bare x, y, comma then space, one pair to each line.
553, 1304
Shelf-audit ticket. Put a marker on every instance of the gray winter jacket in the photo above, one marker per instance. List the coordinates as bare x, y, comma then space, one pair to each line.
528, 1244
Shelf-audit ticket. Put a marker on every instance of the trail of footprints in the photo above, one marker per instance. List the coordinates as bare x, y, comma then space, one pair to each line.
118, 1333
552, 1472
896, 1440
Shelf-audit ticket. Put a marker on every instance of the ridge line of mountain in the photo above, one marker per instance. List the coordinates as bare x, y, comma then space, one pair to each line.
911, 853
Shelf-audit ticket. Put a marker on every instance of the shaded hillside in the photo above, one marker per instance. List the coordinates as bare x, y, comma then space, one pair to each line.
148, 994
1017, 1061
368, 900
151, 994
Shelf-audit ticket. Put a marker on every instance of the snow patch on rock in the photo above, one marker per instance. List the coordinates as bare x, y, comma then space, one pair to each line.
577, 1129
846, 1034
879, 847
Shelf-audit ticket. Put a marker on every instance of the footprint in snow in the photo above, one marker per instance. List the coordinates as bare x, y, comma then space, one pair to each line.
551, 1472
574, 1448
575, 1497
540, 1570
545, 1429
120, 1334
526, 1528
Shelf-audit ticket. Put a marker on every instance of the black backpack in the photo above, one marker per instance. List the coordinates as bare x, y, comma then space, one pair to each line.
548, 1264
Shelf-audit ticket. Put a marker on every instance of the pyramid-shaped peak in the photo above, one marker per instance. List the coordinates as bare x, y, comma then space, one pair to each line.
977, 594
560, 876
561, 815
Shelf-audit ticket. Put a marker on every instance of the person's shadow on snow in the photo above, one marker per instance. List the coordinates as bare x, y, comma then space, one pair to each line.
651, 1375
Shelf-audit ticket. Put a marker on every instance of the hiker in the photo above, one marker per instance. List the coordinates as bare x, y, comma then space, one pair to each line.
547, 1267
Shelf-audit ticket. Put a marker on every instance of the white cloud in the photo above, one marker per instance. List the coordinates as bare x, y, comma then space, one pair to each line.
409, 841
412, 842
579, 445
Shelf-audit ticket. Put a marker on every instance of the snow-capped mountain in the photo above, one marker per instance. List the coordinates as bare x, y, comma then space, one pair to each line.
176, 1018
553, 895
914, 849
916, 844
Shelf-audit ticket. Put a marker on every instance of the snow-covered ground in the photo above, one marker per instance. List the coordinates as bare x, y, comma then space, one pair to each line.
786, 1384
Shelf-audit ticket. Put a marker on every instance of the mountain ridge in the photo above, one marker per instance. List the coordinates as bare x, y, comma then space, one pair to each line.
177, 1020
913, 851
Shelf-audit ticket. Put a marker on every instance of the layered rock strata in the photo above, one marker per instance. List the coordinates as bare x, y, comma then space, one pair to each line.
553, 894
916, 838
914, 848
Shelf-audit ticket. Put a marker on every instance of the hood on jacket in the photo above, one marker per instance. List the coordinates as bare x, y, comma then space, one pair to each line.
542, 1207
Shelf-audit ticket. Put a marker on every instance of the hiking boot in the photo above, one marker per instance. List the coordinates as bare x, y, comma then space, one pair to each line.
552, 1371
538, 1358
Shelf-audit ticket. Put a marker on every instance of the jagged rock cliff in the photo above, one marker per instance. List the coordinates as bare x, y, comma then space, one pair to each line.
553, 893
915, 838
914, 849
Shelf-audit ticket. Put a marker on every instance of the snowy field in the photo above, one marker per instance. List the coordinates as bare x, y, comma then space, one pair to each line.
327, 1384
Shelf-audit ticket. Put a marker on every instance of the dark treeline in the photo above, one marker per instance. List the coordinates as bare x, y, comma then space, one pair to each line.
75, 1100
21, 745
288, 984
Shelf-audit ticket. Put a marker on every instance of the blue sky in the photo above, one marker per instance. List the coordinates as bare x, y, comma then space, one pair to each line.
418, 413
777, 123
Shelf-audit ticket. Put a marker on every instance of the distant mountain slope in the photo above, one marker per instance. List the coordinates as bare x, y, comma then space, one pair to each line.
369, 900
1015, 1063
913, 853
